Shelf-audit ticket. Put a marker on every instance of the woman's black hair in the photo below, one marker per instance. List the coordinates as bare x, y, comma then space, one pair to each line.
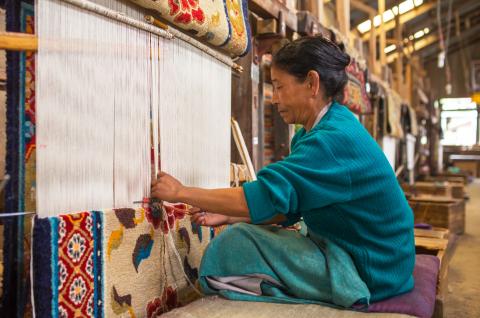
315, 53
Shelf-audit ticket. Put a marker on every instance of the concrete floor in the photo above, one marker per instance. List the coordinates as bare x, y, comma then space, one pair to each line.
463, 298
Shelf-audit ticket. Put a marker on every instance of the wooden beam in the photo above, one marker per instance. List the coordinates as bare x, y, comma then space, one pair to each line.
467, 34
383, 37
399, 60
404, 18
390, 41
271, 9
408, 83
320, 12
357, 4
372, 48
343, 16
316, 8
417, 45
18, 41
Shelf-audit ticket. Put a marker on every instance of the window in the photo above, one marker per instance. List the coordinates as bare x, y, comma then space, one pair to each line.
459, 120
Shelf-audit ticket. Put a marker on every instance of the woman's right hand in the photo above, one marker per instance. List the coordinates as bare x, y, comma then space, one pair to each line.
208, 219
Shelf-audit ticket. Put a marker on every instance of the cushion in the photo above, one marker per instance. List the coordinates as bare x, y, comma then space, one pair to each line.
420, 302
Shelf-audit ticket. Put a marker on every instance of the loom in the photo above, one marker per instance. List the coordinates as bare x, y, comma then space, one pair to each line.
117, 100
102, 81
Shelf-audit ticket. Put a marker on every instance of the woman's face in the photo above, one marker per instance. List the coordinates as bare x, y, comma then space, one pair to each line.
291, 96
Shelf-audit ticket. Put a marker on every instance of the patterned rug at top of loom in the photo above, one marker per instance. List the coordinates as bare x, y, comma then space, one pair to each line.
115, 263
222, 23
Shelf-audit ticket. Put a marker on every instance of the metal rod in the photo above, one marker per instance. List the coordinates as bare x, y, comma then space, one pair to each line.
6, 215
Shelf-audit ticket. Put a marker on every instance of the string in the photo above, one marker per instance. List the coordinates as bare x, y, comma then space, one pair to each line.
109, 95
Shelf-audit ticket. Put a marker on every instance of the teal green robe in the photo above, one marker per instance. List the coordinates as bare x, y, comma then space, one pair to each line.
338, 179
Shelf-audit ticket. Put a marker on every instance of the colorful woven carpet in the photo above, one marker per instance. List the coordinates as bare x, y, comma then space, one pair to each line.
355, 94
20, 163
222, 23
115, 263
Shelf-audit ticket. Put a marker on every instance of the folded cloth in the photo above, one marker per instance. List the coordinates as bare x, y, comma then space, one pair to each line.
270, 264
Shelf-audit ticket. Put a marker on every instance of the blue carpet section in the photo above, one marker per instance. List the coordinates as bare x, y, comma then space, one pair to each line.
42, 267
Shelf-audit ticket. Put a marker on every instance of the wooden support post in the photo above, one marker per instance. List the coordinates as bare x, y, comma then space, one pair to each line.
399, 61
320, 12
245, 104
18, 41
343, 16
316, 8
408, 83
383, 37
372, 34
372, 44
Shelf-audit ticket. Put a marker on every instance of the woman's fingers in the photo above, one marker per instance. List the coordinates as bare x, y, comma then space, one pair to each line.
194, 210
159, 176
199, 219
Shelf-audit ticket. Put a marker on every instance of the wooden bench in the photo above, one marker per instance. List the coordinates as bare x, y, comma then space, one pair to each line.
439, 242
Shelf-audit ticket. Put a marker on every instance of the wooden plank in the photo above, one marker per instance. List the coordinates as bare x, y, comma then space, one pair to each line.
429, 198
267, 26
428, 188
272, 9
433, 233
431, 243
18, 41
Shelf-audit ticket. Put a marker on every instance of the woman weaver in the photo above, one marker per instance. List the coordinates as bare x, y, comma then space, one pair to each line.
360, 245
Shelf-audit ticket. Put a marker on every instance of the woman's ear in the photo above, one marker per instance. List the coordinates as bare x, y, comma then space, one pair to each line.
313, 81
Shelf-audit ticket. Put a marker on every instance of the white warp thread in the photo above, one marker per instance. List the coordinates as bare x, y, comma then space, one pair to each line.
107, 93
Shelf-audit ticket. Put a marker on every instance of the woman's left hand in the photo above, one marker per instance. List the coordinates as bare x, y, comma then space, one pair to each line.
166, 188
208, 219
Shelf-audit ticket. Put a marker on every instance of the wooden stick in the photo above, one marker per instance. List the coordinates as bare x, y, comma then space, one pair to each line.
118, 16
242, 149
150, 19
202, 47
399, 170
18, 41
